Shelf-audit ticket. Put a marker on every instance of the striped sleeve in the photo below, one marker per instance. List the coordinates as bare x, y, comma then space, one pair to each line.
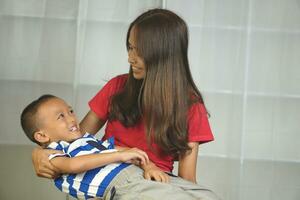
60, 147
109, 143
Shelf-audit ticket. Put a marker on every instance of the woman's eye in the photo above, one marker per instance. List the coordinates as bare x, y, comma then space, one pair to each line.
72, 111
131, 48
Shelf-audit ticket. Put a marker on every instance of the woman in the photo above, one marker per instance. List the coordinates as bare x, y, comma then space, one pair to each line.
156, 107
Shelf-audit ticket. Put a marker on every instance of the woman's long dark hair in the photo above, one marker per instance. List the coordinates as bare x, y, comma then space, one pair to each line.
162, 99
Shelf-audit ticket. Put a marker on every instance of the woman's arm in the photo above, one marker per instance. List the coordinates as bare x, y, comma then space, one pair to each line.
91, 123
67, 165
188, 163
186, 168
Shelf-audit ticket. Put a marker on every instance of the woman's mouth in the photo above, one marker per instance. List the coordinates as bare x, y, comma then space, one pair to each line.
136, 69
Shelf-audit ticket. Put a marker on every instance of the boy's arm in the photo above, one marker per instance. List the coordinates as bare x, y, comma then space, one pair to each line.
83, 163
79, 164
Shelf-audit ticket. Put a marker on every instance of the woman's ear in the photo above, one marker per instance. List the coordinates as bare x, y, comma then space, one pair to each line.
41, 137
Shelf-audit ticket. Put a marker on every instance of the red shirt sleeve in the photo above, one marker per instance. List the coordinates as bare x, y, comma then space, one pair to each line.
198, 124
99, 104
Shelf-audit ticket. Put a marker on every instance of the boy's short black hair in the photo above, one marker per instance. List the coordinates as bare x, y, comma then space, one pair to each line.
29, 117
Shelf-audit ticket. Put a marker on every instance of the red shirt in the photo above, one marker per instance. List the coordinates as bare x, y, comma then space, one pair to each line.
198, 125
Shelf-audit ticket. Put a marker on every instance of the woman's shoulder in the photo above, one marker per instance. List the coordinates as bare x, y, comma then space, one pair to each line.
198, 106
118, 81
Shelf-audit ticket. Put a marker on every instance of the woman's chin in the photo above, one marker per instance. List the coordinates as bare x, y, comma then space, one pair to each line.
138, 76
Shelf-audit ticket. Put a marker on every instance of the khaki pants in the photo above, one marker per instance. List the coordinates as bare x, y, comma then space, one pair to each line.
130, 184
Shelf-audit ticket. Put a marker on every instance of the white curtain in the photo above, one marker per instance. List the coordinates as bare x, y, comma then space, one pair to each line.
244, 56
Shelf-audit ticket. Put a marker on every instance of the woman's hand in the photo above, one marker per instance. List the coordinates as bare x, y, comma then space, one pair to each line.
152, 172
42, 166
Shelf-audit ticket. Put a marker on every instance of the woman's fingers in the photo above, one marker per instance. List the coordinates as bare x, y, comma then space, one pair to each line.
164, 177
42, 166
161, 177
156, 175
147, 176
46, 174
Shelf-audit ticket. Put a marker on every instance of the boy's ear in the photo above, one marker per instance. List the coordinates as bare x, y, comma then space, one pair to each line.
41, 137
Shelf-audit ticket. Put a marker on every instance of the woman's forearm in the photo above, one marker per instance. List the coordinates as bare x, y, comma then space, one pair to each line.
120, 148
91, 123
187, 166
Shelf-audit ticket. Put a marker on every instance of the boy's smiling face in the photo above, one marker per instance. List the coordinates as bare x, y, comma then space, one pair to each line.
57, 121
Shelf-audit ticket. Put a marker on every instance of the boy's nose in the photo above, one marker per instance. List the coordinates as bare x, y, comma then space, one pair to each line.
71, 118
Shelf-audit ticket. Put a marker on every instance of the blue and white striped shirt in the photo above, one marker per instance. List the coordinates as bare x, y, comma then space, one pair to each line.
91, 183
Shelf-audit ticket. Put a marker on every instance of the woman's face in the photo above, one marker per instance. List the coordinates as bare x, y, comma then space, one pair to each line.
136, 62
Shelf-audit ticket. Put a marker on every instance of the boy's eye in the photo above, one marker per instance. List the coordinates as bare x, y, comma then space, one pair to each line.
72, 111
60, 116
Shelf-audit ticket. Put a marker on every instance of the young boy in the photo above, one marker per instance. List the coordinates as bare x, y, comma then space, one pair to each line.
88, 165
91, 168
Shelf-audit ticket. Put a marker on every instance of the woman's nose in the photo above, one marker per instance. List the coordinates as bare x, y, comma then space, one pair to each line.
131, 59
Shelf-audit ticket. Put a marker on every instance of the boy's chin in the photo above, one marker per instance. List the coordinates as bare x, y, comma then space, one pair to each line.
77, 135
74, 136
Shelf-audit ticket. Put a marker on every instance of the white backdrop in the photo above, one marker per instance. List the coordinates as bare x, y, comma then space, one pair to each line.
244, 56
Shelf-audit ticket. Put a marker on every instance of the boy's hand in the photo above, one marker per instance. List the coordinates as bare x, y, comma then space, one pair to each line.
134, 155
42, 166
